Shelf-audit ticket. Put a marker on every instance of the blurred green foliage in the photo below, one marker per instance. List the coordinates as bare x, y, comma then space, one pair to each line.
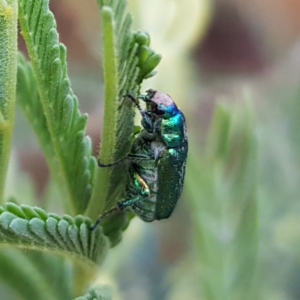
239, 214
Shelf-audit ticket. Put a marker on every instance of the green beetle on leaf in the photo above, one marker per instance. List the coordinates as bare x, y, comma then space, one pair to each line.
157, 160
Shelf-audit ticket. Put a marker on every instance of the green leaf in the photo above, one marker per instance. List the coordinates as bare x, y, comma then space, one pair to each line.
114, 225
29, 100
8, 75
127, 60
62, 120
18, 271
25, 273
59, 273
224, 202
99, 293
32, 228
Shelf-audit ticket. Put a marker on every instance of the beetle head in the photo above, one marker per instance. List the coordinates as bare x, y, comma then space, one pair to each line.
160, 104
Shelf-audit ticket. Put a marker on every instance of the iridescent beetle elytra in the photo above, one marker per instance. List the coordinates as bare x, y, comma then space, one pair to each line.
157, 160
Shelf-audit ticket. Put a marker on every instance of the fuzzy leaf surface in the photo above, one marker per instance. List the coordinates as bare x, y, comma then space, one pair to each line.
64, 123
100, 293
8, 69
32, 228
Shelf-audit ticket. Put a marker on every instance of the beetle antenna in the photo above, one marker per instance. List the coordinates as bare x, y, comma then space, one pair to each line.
143, 113
134, 101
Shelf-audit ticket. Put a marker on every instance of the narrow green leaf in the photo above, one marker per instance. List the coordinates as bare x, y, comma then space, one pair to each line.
58, 275
58, 107
32, 228
224, 202
8, 75
99, 293
219, 133
26, 280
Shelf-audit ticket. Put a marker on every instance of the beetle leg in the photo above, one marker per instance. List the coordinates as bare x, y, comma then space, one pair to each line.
107, 213
137, 191
131, 157
115, 163
147, 122
137, 157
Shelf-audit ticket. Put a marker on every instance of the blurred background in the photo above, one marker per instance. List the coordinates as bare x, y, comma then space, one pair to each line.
233, 67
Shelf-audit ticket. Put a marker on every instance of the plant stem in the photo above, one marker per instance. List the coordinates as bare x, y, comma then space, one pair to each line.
8, 75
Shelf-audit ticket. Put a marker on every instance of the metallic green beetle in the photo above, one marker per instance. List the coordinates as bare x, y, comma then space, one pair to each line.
157, 160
